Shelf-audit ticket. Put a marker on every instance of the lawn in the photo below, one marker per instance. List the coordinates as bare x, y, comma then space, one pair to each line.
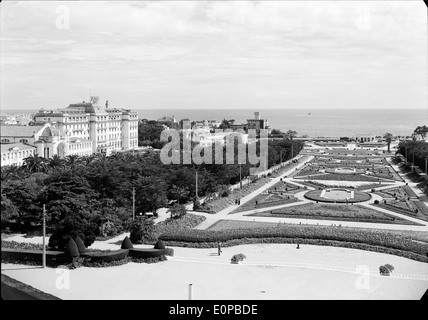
334, 212
221, 203
265, 200
340, 177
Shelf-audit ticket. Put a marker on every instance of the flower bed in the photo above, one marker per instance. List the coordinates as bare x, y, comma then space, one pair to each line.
359, 196
188, 221
333, 212
341, 177
265, 201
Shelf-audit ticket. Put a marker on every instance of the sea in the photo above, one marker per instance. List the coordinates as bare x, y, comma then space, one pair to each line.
311, 122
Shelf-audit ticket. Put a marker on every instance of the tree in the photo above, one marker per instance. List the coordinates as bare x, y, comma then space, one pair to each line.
388, 138
70, 208
72, 161
149, 132
180, 194
290, 134
421, 131
56, 163
20, 202
177, 211
142, 230
151, 193
34, 163
226, 124
276, 132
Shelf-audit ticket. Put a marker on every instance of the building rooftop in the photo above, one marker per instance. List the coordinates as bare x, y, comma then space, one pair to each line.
18, 131
50, 132
6, 147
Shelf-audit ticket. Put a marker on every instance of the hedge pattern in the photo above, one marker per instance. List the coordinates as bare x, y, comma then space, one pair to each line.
378, 238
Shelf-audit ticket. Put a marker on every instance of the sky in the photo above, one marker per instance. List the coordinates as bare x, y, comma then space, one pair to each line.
214, 54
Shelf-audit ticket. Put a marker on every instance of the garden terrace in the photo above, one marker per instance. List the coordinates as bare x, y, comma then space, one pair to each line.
307, 170
219, 203
341, 177
265, 200
398, 192
333, 212
385, 172
285, 187
410, 208
372, 240
372, 186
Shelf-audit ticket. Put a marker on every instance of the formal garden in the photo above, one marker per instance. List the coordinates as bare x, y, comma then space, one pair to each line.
336, 212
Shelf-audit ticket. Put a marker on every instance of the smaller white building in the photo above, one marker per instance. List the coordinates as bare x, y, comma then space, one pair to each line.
13, 154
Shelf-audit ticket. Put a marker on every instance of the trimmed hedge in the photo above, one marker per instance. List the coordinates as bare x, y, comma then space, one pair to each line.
159, 245
71, 248
34, 256
126, 243
149, 253
376, 238
80, 245
107, 256
316, 242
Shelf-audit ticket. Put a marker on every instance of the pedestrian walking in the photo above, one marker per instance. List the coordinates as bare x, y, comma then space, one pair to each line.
219, 248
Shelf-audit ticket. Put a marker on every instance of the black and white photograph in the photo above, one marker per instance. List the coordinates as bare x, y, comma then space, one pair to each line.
213, 156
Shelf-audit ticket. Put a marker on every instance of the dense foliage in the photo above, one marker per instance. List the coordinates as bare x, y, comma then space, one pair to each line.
91, 196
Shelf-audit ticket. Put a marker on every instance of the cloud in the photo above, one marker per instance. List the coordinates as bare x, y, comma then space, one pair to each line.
176, 48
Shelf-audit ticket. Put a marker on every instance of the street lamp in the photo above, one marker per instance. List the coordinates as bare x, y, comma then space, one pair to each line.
44, 237
133, 203
196, 191
240, 177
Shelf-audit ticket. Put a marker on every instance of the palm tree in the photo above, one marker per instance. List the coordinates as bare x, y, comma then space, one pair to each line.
56, 162
388, 138
72, 161
34, 163
10, 172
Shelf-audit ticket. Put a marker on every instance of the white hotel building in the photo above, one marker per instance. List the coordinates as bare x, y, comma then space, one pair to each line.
79, 129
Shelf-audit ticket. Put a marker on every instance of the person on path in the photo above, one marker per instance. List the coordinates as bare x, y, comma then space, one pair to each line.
219, 248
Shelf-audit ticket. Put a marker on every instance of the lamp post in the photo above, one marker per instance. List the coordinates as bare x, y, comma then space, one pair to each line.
196, 191
240, 177
44, 237
133, 203
406, 155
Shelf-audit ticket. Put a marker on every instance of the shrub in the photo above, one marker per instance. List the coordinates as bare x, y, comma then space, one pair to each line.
376, 202
196, 204
108, 256
159, 245
146, 253
109, 229
237, 257
177, 211
390, 267
71, 248
384, 271
80, 244
142, 230
126, 243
